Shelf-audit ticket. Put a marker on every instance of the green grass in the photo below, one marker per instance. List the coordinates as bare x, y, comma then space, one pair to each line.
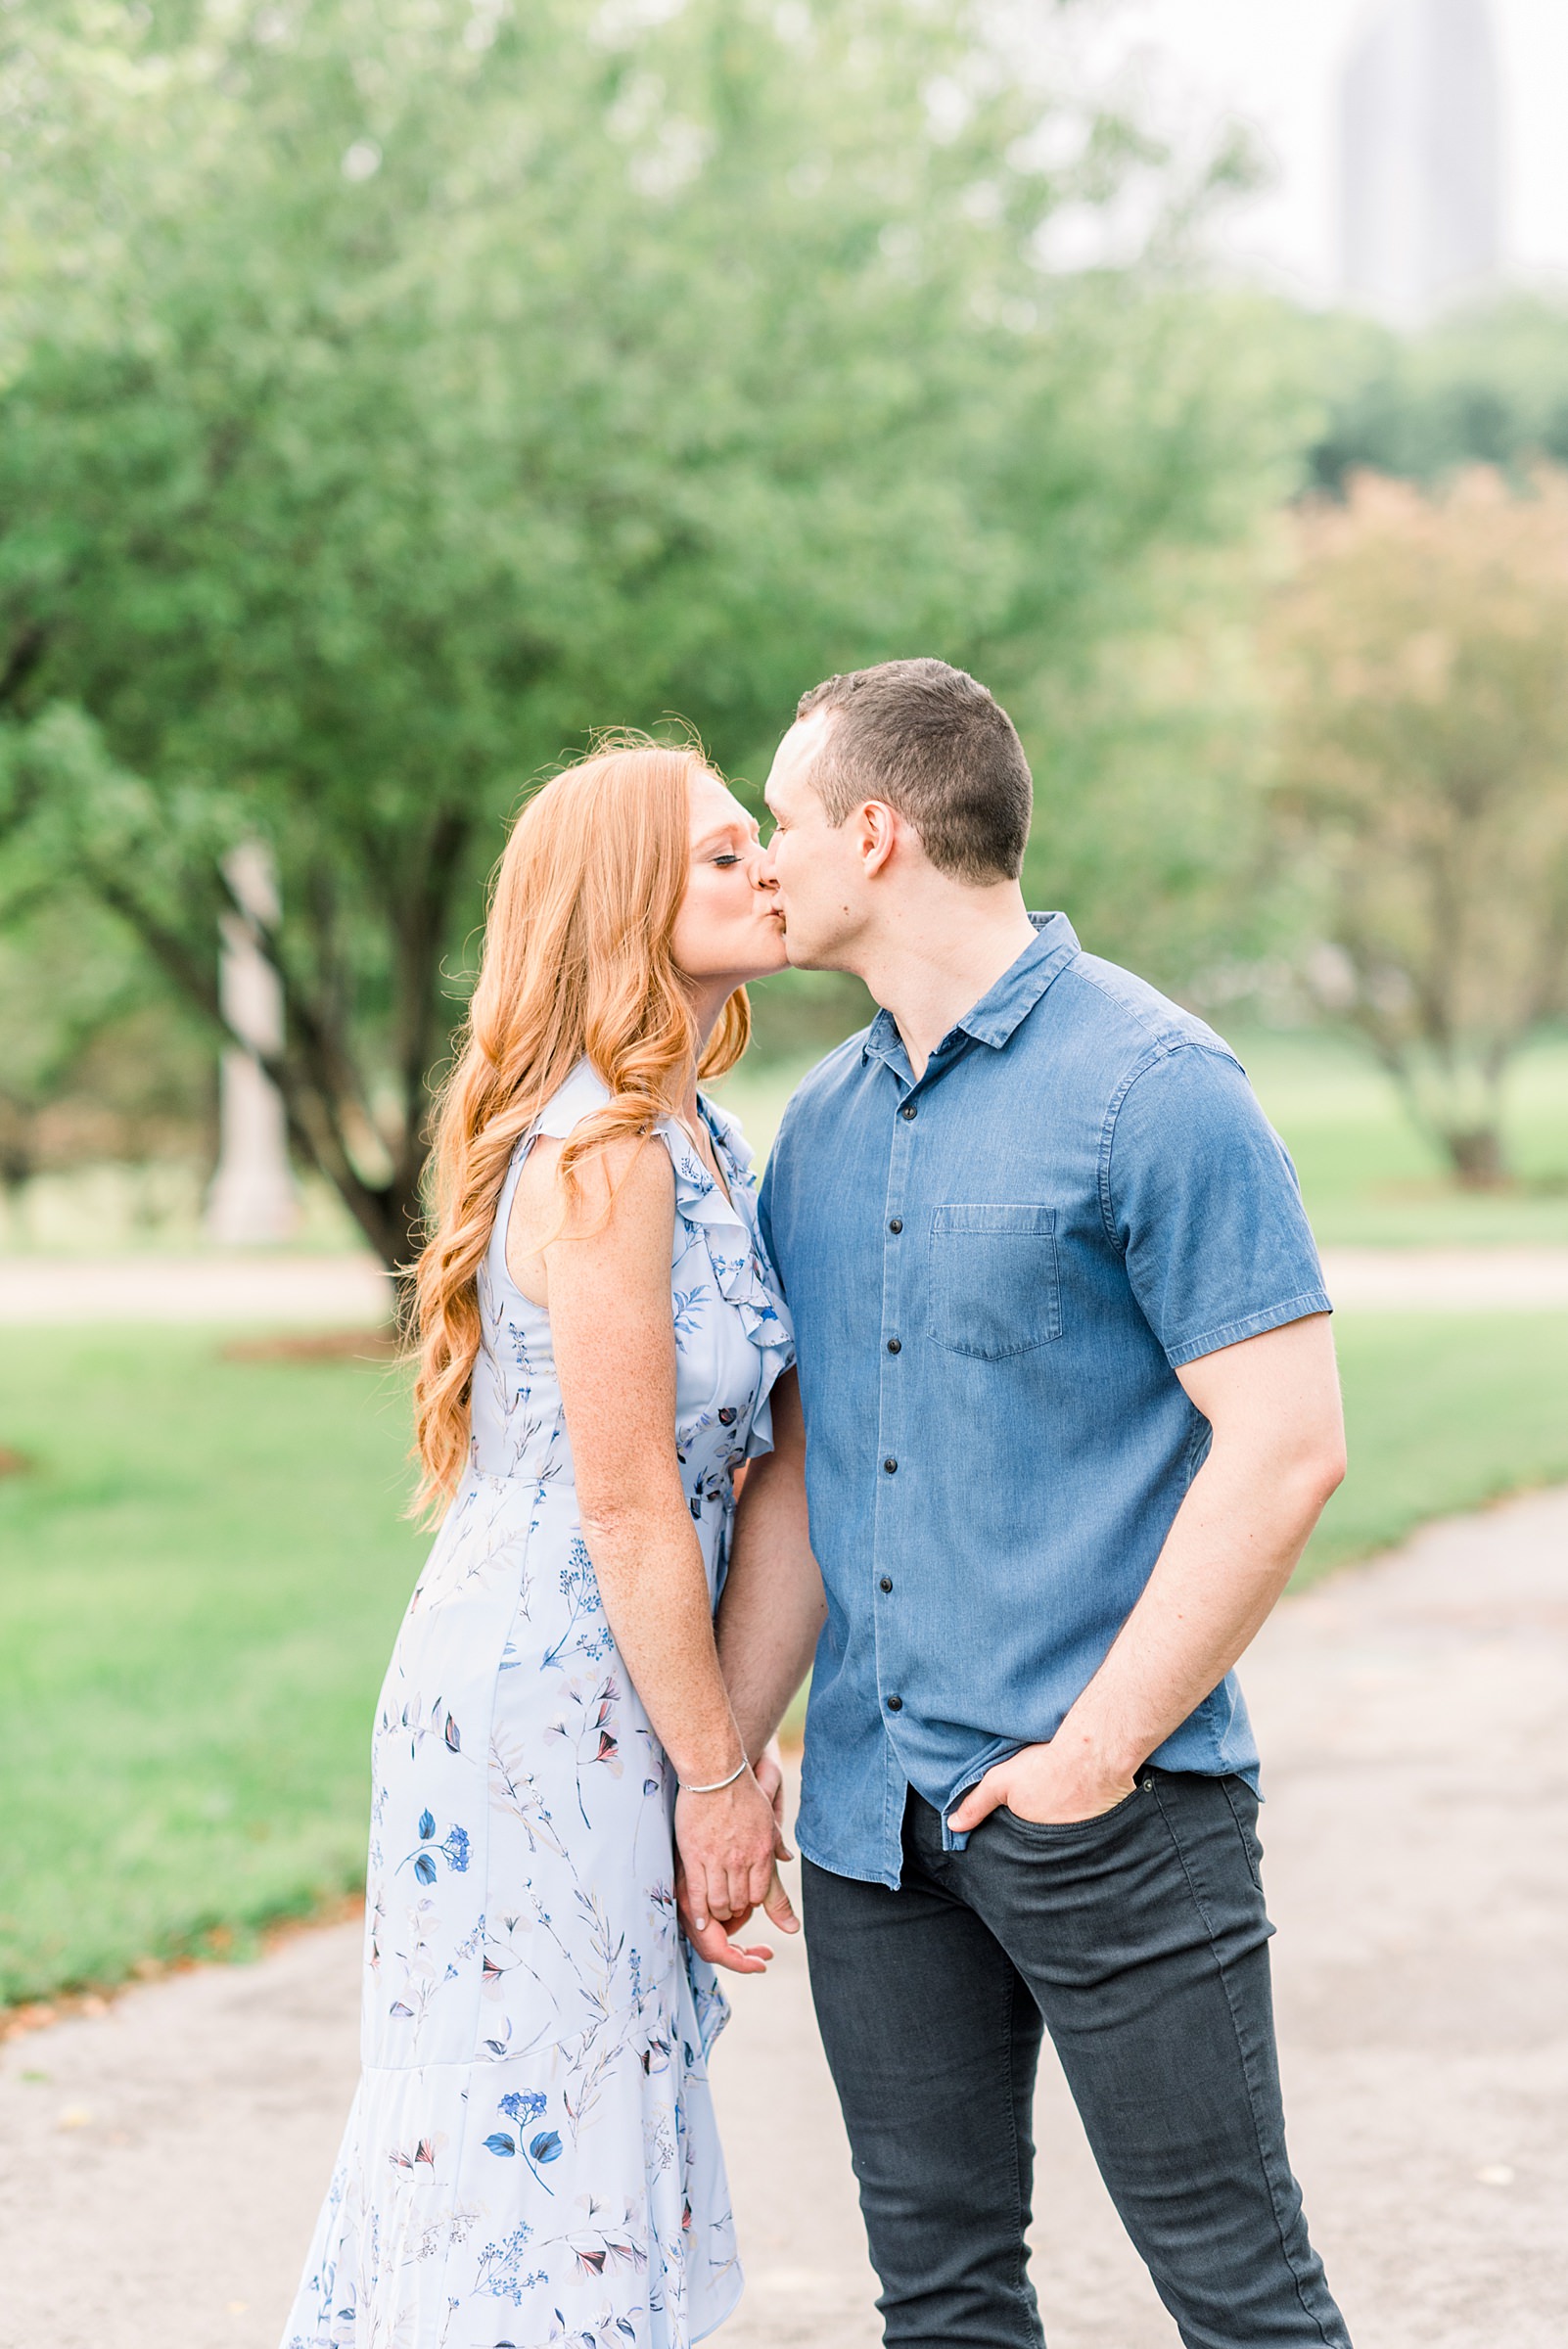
1443, 1413
1368, 1177
202, 1578
204, 1569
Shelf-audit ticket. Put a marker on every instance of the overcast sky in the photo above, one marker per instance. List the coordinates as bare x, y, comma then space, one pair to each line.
1275, 62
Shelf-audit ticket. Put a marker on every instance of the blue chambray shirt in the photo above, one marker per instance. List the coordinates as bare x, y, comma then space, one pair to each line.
993, 1275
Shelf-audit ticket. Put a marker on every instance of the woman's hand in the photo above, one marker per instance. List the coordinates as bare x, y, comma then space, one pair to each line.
717, 1942
728, 1841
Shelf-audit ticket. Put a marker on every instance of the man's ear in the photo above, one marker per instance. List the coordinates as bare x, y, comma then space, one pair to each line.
879, 834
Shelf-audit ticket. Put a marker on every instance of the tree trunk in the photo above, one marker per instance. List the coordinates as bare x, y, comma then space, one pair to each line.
393, 1221
316, 1070
1475, 1154
1454, 1096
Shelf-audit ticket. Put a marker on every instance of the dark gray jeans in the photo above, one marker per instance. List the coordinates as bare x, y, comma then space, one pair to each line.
1141, 1941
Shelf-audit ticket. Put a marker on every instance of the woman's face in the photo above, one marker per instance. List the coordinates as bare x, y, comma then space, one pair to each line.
728, 929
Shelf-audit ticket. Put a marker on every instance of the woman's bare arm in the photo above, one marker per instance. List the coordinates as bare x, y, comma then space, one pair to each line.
608, 1275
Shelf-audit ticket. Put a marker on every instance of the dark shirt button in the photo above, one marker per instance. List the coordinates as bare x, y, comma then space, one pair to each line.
891, 1465
896, 1224
895, 1346
910, 1110
894, 1704
886, 1583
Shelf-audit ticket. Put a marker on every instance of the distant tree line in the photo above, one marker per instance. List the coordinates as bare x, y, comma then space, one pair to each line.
1486, 386
1417, 660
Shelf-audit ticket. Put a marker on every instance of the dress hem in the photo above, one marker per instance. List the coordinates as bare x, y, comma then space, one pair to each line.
709, 2329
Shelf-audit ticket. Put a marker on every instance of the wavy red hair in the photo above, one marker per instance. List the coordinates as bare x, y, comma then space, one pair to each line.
577, 962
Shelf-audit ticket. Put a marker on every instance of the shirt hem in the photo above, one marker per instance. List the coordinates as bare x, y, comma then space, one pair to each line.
854, 1875
1232, 1333
1248, 1768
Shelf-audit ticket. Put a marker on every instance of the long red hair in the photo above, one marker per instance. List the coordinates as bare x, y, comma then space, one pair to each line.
577, 963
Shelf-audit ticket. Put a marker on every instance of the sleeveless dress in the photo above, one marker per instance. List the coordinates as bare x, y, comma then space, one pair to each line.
533, 2155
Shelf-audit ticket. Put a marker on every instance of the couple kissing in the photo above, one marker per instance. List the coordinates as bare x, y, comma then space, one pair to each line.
1023, 1347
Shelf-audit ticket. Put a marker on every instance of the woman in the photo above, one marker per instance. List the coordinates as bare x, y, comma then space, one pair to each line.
533, 2155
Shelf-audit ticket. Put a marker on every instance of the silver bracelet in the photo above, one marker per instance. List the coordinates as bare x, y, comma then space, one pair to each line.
718, 1784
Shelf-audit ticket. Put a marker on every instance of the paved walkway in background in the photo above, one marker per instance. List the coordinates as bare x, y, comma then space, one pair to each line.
329, 1291
349, 1291
161, 2164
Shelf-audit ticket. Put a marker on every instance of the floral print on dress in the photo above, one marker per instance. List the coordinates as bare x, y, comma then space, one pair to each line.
531, 2156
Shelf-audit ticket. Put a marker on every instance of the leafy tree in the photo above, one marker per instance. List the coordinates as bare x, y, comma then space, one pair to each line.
1419, 651
391, 391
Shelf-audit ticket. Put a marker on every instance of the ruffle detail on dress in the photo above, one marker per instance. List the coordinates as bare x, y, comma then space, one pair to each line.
423, 2215
735, 1249
730, 1230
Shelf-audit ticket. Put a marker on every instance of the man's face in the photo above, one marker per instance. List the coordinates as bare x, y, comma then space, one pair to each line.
816, 865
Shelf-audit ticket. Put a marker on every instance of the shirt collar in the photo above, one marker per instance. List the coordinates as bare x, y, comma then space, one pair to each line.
1004, 1007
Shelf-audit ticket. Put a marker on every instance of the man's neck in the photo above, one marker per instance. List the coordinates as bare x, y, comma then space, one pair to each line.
936, 959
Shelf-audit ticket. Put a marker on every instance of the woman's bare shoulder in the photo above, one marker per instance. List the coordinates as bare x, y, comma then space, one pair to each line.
623, 1204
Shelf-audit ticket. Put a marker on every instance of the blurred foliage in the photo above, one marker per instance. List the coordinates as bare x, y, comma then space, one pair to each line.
98, 1061
392, 393
1149, 764
1488, 385
1423, 780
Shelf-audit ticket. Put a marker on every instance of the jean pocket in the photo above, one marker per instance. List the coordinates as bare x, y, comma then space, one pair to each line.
994, 1286
1058, 1831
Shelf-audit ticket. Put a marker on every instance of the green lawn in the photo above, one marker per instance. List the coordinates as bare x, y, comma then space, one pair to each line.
204, 1568
1365, 1173
1368, 1177
1443, 1413
202, 1580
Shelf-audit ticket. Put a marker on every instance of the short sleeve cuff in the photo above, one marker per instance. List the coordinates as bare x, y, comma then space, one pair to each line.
1232, 1333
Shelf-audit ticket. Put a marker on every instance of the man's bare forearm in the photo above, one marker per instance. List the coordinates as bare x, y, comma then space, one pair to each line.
1276, 1454
1229, 1553
773, 1607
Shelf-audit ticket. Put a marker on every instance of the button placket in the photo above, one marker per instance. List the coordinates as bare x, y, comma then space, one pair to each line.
898, 1262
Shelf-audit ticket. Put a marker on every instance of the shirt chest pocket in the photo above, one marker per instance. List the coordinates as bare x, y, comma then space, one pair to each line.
994, 1285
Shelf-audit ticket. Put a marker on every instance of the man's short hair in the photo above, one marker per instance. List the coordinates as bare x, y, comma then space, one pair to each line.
933, 743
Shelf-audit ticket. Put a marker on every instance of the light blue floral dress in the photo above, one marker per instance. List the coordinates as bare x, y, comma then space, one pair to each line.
533, 2155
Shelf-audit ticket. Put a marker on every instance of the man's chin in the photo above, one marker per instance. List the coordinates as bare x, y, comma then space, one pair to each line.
802, 953
796, 957
802, 957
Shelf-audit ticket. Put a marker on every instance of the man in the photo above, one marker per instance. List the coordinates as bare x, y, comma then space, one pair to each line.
1066, 1415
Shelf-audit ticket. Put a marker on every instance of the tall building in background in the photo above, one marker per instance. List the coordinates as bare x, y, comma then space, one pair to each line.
1420, 160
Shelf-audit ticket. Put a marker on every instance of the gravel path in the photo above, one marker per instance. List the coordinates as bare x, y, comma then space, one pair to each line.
160, 2163
351, 1291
